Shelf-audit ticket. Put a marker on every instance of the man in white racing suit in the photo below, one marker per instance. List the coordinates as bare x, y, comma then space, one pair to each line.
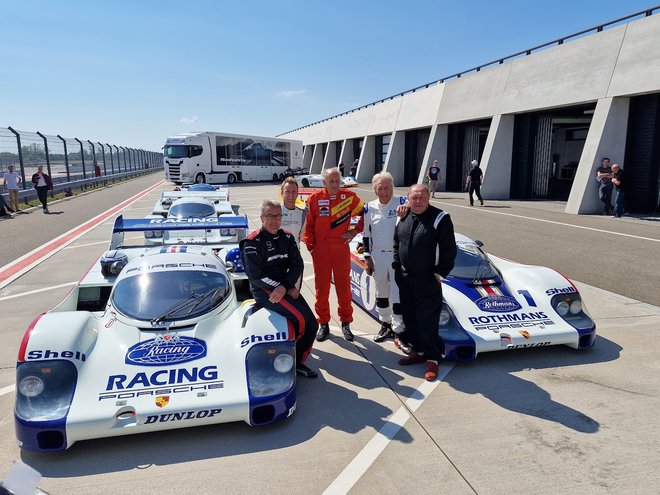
380, 217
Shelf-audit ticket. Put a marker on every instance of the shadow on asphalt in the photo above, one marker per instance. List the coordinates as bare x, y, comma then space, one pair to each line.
492, 376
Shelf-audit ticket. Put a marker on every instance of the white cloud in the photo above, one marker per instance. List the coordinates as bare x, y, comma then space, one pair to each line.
188, 120
291, 92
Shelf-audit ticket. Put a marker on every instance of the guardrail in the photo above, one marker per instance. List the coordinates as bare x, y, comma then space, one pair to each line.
72, 163
560, 41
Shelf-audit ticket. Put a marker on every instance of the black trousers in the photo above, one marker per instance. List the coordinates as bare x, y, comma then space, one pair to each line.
475, 187
42, 193
299, 313
421, 304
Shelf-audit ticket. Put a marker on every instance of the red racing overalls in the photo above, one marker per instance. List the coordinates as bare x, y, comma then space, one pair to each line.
328, 218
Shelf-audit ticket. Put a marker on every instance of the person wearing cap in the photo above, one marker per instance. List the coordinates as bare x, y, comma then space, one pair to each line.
434, 176
474, 181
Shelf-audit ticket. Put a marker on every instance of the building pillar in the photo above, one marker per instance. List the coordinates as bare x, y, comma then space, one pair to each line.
606, 137
395, 160
307, 156
367, 162
346, 156
436, 149
497, 157
317, 159
330, 159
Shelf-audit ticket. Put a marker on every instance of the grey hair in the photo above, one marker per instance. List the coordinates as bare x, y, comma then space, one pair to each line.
269, 203
329, 171
422, 186
386, 176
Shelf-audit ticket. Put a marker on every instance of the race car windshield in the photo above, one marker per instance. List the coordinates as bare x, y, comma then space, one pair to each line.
191, 210
170, 295
472, 263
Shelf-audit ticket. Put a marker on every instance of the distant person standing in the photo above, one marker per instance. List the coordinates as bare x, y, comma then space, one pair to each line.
42, 183
620, 185
434, 177
604, 178
11, 181
424, 254
474, 181
354, 167
4, 207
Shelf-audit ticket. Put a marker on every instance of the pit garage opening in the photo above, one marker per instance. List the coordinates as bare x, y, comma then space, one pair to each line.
465, 142
547, 147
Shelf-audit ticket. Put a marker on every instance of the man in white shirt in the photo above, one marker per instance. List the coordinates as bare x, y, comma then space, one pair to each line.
293, 217
11, 181
380, 217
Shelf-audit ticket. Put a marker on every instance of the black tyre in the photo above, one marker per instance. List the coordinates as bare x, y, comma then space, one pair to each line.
231, 179
305, 183
200, 179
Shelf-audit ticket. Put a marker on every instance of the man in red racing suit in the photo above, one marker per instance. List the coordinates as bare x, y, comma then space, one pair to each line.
327, 236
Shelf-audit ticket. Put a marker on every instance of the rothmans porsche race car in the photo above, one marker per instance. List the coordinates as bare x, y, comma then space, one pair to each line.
151, 339
493, 304
316, 180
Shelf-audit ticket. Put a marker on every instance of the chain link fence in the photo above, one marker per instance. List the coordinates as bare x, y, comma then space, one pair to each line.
71, 162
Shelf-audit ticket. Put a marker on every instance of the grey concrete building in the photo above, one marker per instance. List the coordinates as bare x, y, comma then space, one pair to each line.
538, 122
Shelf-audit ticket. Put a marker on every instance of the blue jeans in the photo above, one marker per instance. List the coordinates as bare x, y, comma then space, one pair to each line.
618, 203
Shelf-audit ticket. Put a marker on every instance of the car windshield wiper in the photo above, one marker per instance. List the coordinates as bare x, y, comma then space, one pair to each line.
191, 299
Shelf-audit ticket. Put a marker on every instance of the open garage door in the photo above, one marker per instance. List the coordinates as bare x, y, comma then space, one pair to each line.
465, 142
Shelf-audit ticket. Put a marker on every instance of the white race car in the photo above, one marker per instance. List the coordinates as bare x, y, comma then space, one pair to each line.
203, 202
151, 339
316, 180
493, 304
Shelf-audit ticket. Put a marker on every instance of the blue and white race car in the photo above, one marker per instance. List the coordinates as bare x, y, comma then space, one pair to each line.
316, 180
493, 304
152, 338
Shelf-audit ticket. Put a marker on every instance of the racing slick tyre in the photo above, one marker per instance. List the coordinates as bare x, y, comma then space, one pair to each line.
200, 179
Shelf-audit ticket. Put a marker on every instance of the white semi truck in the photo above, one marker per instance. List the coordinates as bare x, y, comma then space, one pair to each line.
219, 158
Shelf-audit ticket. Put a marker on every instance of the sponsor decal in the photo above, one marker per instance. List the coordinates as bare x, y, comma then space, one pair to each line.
342, 196
524, 333
513, 321
497, 304
254, 339
533, 315
182, 416
111, 321
50, 354
183, 221
324, 211
525, 346
565, 290
166, 349
324, 202
505, 339
162, 400
145, 268
162, 378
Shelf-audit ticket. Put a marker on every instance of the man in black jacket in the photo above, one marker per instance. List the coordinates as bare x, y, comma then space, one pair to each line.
273, 265
424, 253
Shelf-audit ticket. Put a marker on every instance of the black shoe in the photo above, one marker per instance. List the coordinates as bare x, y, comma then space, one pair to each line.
323, 332
401, 342
305, 371
385, 332
482, 202
346, 330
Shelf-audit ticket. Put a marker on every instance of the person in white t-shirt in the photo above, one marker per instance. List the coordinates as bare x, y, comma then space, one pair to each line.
42, 183
11, 181
293, 217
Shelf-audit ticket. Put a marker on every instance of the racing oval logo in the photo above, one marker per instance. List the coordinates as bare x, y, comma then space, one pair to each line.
497, 304
166, 349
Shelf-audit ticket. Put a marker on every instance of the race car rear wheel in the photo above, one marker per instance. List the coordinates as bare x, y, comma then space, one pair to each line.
200, 178
305, 183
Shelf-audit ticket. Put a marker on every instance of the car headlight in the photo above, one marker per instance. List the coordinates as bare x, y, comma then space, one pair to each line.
224, 232
576, 307
44, 389
270, 368
148, 234
31, 386
444, 317
562, 308
283, 363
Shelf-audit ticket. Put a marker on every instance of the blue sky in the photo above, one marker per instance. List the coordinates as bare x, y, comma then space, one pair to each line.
135, 72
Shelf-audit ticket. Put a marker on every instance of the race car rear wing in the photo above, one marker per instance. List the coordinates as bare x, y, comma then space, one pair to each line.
161, 224
222, 195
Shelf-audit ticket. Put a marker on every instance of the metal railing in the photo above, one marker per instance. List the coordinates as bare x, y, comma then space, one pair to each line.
560, 41
71, 162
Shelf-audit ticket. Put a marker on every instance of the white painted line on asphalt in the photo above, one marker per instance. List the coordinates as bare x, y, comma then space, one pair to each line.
36, 291
7, 390
486, 210
73, 246
611, 232
363, 461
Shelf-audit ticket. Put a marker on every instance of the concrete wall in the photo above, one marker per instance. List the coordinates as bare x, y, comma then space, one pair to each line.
606, 67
